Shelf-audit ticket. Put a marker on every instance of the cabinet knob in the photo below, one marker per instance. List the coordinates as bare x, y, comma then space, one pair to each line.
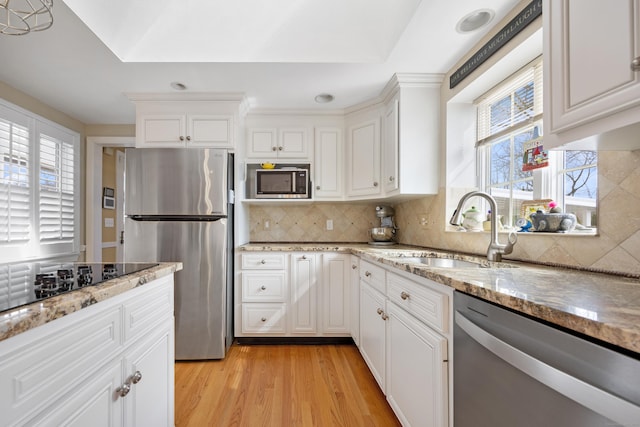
367, 273
273, 148
353, 266
280, 148
379, 311
304, 257
188, 138
404, 295
635, 64
375, 184
264, 319
263, 262
263, 288
181, 138
391, 179
384, 316
317, 187
123, 390
136, 377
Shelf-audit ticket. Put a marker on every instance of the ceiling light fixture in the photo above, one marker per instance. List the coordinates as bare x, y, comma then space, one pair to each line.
19, 17
475, 20
323, 98
178, 86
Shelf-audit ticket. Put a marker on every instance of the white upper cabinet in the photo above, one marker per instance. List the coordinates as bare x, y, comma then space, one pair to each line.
329, 164
592, 72
192, 120
363, 158
278, 143
410, 145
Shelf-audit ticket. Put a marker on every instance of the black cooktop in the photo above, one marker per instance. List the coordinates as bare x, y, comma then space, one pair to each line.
25, 283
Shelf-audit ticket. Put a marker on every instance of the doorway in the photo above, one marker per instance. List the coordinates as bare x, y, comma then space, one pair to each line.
104, 233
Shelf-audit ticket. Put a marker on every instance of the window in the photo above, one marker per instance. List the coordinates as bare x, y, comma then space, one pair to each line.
513, 165
38, 187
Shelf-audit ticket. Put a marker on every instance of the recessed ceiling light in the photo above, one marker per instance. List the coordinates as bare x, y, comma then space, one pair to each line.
475, 20
323, 98
178, 86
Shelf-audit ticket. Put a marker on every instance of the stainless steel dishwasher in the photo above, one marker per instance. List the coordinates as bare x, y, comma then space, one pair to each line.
512, 371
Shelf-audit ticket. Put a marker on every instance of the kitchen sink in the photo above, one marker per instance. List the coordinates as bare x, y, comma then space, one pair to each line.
440, 262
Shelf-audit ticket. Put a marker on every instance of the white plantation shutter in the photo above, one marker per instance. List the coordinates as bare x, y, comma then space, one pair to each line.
19, 279
57, 208
39, 185
15, 205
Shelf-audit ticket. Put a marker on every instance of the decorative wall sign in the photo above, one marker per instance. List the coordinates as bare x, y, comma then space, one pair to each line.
535, 156
509, 31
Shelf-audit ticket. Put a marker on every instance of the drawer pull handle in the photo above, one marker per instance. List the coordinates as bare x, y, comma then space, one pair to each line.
635, 64
123, 390
379, 311
263, 262
404, 295
264, 319
353, 266
136, 377
367, 273
263, 288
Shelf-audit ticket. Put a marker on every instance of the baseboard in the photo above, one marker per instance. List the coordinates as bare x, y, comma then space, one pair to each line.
294, 340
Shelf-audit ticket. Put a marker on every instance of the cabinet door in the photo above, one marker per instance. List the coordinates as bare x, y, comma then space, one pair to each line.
364, 159
417, 387
162, 130
372, 331
302, 311
206, 130
390, 148
328, 164
588, 61
149, 368
335, 291
95, 404
354, 301
293, 143
261, 143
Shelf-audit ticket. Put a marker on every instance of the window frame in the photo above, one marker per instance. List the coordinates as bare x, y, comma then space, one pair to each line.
35, 248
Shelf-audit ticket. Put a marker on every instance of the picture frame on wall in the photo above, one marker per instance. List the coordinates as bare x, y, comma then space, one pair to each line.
108, 198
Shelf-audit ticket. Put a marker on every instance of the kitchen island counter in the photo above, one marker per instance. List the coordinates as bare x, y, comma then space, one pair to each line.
601, 306
25, 317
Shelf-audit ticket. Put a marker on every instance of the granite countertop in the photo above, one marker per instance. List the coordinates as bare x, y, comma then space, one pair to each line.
601, 306
20, 319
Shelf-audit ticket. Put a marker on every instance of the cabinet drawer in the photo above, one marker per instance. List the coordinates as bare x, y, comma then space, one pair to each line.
373, 275
259, 287
263, 318
263, 261
40, 366
427, 305
148, 308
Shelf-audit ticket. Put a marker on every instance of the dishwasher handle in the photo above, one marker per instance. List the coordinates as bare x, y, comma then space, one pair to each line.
600, 401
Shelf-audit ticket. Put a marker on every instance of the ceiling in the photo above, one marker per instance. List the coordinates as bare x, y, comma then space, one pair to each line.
279, 53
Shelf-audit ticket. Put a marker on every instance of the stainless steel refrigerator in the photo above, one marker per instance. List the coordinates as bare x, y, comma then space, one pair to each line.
177, 208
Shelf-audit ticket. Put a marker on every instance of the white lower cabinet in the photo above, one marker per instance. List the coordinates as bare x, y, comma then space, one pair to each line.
111, 364
354, 300
404, 339
305, 294
416, 368
373, 331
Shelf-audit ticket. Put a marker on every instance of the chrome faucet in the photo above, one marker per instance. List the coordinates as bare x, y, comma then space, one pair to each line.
495, 250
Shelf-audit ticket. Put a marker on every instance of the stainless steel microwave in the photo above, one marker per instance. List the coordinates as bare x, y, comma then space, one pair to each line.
286, 183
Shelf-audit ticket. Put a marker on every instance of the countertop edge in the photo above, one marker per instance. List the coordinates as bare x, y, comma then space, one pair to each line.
21, 319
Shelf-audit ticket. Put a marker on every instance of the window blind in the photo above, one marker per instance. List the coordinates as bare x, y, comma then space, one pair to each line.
15, 206
512, 104
20, 279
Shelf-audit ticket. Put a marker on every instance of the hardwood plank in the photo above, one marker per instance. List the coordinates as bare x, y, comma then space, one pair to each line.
281, 385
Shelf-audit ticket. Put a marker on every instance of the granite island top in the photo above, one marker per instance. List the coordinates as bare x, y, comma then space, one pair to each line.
602, 306
20, 319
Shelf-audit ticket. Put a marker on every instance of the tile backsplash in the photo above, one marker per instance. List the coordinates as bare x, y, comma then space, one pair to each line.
308, 222
616, 248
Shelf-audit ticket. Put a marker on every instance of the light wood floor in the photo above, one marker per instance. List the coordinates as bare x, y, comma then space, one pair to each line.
281, 385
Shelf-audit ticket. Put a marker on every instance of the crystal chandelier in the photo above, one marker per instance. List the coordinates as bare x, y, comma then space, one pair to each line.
18, 17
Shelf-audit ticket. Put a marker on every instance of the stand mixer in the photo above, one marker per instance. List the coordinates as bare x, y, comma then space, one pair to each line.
385, 234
